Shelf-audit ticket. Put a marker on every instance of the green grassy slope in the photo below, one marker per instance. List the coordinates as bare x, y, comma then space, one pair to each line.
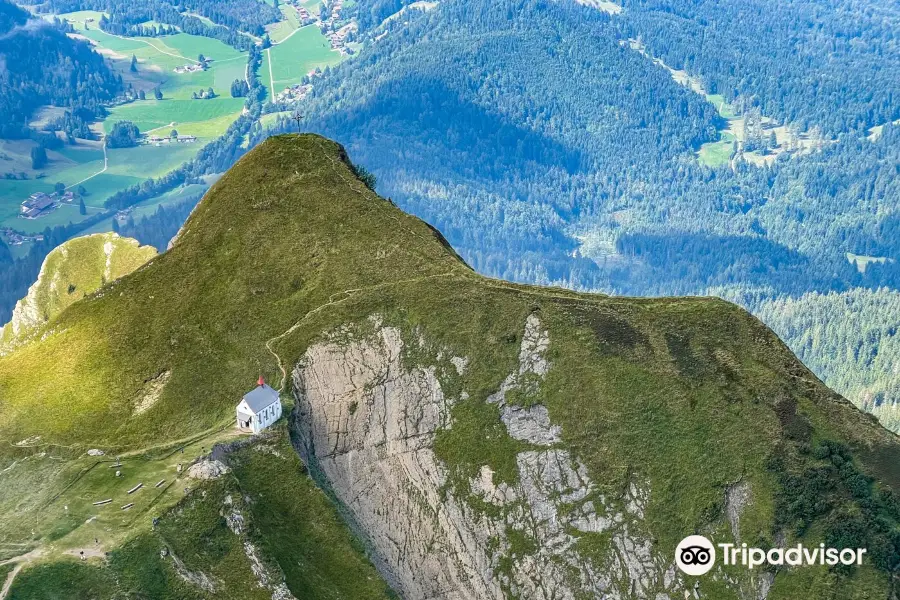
72, 271
690, 395
290, 523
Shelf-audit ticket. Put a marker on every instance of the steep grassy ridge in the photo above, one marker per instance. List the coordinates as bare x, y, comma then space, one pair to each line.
684, 400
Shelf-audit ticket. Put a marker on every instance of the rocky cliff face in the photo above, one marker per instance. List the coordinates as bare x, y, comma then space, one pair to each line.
367, 422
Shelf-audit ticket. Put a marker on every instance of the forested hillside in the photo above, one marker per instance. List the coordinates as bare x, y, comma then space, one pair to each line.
555, 152
40, 65
543, 119
831, 64
228, 19
850, 339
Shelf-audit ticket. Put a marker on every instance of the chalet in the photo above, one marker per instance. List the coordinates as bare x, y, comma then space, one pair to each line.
187, 139
259, 408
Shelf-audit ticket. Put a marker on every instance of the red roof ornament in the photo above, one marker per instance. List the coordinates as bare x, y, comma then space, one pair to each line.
261, 381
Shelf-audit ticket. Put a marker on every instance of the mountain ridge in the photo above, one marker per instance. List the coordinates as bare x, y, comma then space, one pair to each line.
474, 407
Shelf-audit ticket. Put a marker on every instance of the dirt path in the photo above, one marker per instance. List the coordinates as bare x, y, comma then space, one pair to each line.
89, 552
20, 562
172, 124
348, 294
271, 74
291, 34
157, 48
100, 172
9, 581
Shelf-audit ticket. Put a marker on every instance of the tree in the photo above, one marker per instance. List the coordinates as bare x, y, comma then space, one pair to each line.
157, 93
201, 59
239, 88
141, 95
773, 141
173, 134
194, 95
266, 42
38, 157
81, 191
124, 134
59, 187
82, 209
133, 63
210, 93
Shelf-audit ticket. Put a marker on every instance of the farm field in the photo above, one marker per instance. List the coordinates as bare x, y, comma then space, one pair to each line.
282, 29
157, 58
295, 57
150, 114
127, 166
300, 51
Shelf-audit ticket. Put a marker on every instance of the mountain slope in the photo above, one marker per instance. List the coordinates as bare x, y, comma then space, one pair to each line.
41, 65
72, 271
553, 151
484, 439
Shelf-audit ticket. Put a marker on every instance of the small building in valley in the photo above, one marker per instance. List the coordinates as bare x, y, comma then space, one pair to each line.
37, 204
259, 408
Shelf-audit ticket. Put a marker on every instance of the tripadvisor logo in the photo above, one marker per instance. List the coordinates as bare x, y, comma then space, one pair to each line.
696, 555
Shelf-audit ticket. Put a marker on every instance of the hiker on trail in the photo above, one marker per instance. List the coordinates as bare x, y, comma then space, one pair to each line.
96, 541
82, 554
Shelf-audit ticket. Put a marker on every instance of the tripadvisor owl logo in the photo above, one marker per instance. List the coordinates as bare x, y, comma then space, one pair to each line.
695, 555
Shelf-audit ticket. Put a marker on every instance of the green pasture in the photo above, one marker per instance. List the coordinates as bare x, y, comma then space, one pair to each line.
269, 119
127, 166
714, 154
290, 23
294, 58
150, 114
53, 499
157, 59
718, 100
69, 165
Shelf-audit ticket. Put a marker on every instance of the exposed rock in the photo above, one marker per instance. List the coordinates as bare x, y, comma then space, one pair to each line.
530, 425
151, 392
367, 422
279, 590
95, 452
459, 364
197, 578
207, 469
736, 498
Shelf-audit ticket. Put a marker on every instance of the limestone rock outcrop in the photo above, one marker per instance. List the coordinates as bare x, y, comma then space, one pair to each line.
366, 423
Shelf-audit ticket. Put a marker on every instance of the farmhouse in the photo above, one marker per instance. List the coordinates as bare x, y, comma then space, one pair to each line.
36, 204
259, 408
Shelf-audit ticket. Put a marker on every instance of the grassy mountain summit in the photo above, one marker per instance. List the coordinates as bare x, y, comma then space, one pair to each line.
483, 439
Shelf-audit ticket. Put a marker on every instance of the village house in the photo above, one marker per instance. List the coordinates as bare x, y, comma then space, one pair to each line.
259, 408
36, 204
